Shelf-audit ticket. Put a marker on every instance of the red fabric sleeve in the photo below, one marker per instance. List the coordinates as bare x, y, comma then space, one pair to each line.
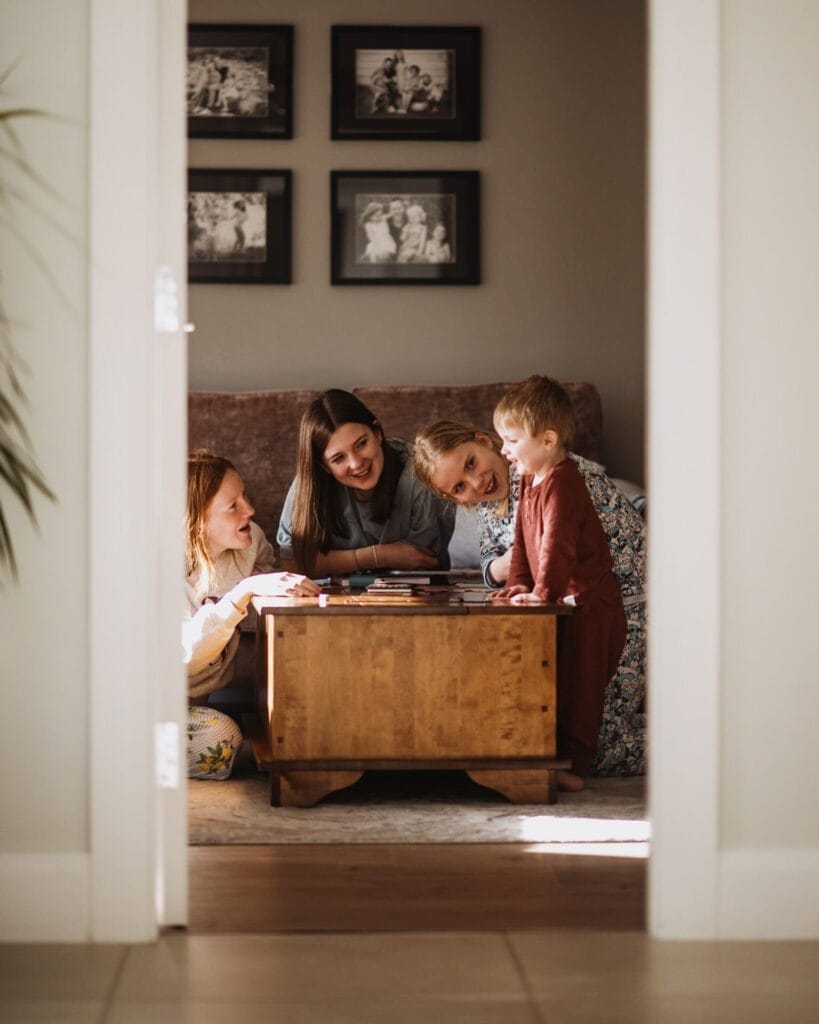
558, 548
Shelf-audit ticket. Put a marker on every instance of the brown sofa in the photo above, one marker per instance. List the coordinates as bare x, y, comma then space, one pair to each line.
257, 430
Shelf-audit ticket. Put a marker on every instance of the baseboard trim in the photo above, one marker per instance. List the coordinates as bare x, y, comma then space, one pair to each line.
45, 897
769, 894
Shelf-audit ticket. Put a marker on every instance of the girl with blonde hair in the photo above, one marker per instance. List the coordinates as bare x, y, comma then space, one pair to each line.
228, 561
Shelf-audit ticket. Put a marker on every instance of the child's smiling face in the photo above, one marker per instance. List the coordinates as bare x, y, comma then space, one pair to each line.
471, 473
530, 453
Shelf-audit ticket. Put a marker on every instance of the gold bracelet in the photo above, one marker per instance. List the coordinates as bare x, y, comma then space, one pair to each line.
375, 557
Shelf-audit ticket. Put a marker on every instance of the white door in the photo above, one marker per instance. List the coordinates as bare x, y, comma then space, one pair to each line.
138, 371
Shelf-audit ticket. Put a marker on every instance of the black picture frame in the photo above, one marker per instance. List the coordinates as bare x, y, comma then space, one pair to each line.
240, 81
239, 226
440, 100
373, 242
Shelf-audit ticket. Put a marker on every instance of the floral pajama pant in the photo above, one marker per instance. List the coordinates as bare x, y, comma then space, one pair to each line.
621, 748
213, 742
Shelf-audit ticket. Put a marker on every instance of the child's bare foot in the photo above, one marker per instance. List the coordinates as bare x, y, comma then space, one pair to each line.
569, 782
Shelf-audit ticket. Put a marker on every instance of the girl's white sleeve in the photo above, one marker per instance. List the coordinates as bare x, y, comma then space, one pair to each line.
206, 634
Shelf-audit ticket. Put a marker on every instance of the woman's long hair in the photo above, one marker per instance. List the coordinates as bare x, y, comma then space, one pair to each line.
206, 472
317, 505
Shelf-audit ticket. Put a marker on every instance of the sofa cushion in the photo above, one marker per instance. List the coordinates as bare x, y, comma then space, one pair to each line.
403, 409
258, 432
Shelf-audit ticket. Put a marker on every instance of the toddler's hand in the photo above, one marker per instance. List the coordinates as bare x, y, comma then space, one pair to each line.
528, 598
507, 593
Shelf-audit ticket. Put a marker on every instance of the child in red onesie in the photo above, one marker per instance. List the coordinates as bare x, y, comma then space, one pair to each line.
561, 555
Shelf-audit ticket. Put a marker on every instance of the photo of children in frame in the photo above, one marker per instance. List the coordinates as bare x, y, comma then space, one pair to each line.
405, 83
408, 228
227, 227
231, 82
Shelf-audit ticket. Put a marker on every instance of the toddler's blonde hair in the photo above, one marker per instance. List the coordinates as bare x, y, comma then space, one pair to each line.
537, 404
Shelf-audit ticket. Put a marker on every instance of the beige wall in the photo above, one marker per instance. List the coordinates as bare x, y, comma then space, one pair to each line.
770, 373
44, 621
733, 557
562, 165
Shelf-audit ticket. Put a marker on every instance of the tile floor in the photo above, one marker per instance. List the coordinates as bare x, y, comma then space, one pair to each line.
537, 977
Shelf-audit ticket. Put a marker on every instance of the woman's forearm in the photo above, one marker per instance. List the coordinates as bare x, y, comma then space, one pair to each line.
344, 562
399, 554
498, 568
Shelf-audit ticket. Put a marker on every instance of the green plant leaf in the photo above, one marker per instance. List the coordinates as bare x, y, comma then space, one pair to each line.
19, 471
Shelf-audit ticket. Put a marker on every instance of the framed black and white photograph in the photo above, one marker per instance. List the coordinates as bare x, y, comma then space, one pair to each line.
406, 83
239, 226
240, 81
405, 227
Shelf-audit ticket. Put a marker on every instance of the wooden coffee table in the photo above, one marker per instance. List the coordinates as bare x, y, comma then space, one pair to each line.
446, 680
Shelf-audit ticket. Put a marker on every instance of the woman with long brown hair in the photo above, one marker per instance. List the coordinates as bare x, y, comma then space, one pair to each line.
355, 504
228, 561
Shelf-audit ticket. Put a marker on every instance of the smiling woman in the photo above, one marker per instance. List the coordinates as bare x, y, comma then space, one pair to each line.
356, 503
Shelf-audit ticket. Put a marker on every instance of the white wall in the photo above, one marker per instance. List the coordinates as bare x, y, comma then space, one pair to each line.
734, 147
90, 638
770, 224
771, 373
43, 622
562, 165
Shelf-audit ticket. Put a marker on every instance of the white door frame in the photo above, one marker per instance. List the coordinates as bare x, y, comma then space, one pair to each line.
137, 446
684, 465
138, 388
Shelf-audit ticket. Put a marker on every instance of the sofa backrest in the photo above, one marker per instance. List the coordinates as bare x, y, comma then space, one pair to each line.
258, 430
404, 409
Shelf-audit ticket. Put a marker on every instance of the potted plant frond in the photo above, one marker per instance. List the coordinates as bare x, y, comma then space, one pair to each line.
20, 476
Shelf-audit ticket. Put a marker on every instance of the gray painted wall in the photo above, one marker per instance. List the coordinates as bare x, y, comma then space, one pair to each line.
562, 166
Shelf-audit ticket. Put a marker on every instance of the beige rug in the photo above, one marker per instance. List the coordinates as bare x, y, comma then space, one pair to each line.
413, 807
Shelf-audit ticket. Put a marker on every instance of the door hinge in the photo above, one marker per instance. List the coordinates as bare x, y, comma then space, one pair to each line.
166, 746
166, 301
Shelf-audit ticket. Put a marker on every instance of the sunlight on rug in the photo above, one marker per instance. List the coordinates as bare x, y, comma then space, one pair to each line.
544, 828
420, 807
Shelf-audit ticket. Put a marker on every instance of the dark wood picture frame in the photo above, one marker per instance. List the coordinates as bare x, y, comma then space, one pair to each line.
393, 82
239, 226
405, 227
240, 81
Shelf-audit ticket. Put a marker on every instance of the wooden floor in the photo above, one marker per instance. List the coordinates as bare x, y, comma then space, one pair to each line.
453, 887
